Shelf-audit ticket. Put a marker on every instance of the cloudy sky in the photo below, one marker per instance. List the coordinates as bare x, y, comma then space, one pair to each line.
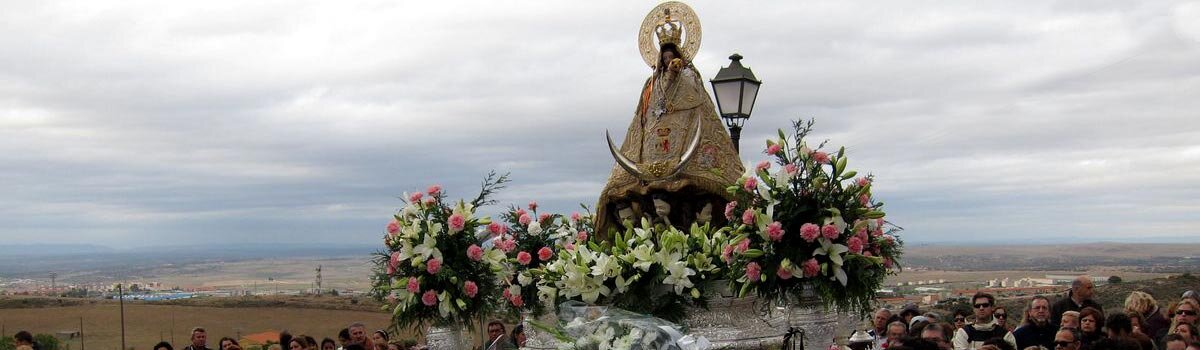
135, 123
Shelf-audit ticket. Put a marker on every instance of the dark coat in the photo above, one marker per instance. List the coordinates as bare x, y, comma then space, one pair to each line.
1066, 304
1155, 322
1031, 334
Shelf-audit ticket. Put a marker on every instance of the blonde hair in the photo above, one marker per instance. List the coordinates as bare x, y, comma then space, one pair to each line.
24, 347
1141, 302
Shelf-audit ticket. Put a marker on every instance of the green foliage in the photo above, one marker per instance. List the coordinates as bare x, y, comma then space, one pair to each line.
1114, 279
6, 343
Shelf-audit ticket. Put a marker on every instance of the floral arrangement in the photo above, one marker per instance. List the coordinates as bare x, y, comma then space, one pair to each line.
652, 269
435, 272
808, 222
531, 241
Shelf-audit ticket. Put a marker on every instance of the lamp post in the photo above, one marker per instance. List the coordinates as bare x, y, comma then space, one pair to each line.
735, 88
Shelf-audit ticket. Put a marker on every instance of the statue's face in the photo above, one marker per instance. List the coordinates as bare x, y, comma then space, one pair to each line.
667, 56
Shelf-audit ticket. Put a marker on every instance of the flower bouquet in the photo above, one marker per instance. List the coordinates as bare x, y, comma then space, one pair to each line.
652, 269
434, 271
530, 241
808, 222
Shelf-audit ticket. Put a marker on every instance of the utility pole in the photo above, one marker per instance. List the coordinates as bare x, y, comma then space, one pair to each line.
81, 333
121, 290
318, 279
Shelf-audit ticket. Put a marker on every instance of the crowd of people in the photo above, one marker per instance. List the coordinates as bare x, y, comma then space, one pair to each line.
1074, 322
353, 337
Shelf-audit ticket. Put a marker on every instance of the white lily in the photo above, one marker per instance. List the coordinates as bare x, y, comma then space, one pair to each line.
547, 294
644, 256
444, 306
606, 266
427, 248
834, 251
838, 222
524, 279
678, 276
623, 284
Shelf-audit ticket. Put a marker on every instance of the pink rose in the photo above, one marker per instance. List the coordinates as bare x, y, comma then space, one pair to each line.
753, 271
783, 273
415, 197
429, 298
791, 168
543, 217
393, 227
545, 254
809, 232
762, 166
576, 217
475, 253
413, 285
862, 182
810, 267
748, 217
751, 184
532, 205
393, 263
582, 236
525, 219
830, 231
517, 301
433, 266
729, 208
434, 190
775, 231
820, 157
457, 222
470, 288
495, 228
524, 258
506, 244
727, 253
742, 246
773, 149
855, 244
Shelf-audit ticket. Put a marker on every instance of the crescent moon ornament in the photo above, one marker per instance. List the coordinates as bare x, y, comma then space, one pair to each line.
677, 12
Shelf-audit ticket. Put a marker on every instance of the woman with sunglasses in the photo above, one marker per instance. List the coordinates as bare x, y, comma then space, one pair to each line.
1001, 316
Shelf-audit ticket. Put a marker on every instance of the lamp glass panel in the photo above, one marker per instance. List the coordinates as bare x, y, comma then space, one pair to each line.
728, 96
748, 96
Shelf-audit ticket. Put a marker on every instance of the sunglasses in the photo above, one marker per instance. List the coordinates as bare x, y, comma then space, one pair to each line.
1001, 315
1062, 344
1186, 312
959, 319
984, 305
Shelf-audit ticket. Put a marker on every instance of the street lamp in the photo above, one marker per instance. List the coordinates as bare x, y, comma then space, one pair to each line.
736, 88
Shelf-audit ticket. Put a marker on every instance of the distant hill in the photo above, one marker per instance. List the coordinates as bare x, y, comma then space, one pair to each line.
30, 261
1171, 258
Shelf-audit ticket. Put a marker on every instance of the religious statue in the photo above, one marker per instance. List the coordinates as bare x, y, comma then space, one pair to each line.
677, 159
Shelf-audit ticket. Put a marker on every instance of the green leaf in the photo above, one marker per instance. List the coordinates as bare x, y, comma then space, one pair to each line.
753, 253
841, 163
781, 135
874, 214
849, 174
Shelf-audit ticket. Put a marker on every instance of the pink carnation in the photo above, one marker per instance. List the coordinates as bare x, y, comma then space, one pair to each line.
791, 168
864, 199
762, 166
862, 230
751, 184
878, 232
393, 227
727, 253
890, 240
457, 222
862, 182
433, 266
475, 253
413, 285
429, 298
783, 273
507, 294
576, 217
748, 217
545, 254
470, 288
729, 208
506, 244
520, 212
743, 246
569, 246
775, 231
753, 271
887, 263
524, 258
868, 254
543, 217
532, 205
809, 232
524, 219
495, 228
393, 263
773, 149
810, 267
434, 190
415, 197
430, 200
582, 236
517, 301
820, 157
855, 244
830, 231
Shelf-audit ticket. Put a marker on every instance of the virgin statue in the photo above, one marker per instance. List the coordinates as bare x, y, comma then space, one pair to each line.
677, 159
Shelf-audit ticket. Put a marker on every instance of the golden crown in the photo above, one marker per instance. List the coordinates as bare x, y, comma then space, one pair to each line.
668, 31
